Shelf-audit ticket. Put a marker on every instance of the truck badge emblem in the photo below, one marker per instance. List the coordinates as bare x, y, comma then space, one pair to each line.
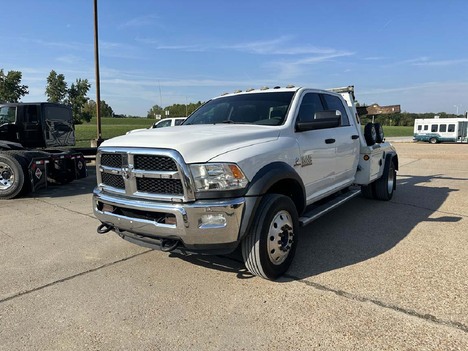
126, 173
306, 160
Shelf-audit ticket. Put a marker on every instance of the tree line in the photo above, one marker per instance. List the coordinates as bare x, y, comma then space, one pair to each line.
83, 108
57, 91
175, 110
402, 118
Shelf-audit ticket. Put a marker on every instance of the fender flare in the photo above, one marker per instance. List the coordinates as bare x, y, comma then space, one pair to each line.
270, 174
391, 156
262, 182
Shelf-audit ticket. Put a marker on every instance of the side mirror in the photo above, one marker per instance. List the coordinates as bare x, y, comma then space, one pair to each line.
322, 120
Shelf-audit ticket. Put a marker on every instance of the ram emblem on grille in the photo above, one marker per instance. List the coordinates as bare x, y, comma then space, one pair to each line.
127, 172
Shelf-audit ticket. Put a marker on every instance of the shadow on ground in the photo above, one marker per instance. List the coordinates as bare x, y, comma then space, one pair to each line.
357, 231
76, 187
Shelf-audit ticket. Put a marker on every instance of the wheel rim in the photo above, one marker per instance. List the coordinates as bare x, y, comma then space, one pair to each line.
7, 177
280, 237
391, 178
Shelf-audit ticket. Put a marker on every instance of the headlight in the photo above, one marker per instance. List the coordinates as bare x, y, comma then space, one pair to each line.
218, 176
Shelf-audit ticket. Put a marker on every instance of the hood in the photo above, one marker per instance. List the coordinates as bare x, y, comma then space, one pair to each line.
198, 143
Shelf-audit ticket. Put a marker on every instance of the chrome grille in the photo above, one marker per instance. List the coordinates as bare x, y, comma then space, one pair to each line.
145, 173
160, 186
113, 180
154, 163
111, 160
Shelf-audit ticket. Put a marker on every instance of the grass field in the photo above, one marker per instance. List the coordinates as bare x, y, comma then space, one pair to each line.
112, 127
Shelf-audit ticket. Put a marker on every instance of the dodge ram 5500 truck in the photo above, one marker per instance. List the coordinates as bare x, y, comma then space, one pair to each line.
247, 169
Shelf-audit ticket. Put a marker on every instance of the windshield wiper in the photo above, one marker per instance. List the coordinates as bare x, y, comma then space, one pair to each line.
230, 121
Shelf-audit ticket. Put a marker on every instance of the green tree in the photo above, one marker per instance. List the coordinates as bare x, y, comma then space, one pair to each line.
106, 110
77, 99
56, 89
11, 89
154, 111
175, 110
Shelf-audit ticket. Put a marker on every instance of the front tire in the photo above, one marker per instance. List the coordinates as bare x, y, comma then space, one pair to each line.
270, 246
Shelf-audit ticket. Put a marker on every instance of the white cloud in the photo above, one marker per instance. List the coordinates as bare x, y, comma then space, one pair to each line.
70, 59
278, 46
141, 21
441, 62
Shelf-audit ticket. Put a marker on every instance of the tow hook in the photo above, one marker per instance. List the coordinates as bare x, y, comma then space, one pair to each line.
168, 245
104, 228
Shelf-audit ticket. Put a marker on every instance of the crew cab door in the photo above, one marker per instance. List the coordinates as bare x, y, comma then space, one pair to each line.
317, 150
346, 143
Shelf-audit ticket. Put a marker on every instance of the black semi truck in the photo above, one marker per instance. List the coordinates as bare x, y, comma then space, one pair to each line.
35, 141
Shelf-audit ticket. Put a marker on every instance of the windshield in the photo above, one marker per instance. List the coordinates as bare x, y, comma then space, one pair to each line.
259, 108
7, 114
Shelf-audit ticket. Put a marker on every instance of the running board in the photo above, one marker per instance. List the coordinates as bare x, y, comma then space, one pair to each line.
319, 211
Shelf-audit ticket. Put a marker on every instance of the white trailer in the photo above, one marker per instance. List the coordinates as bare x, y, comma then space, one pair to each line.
437, 130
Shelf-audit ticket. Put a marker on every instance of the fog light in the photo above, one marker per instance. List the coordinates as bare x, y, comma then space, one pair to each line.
212, 221
108, 208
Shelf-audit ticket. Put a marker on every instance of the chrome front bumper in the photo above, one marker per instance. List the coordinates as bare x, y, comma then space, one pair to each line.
188, 222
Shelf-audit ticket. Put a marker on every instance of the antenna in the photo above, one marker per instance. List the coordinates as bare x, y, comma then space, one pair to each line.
160, 95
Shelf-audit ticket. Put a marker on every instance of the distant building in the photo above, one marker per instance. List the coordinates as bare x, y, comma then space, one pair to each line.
376, 109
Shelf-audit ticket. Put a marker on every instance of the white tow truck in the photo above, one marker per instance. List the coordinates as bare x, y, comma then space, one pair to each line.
247, 168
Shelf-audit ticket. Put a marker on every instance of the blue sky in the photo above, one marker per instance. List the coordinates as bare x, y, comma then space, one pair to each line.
412, 53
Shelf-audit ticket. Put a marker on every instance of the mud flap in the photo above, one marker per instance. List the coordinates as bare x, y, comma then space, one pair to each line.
80, 166
66, 167
38, 173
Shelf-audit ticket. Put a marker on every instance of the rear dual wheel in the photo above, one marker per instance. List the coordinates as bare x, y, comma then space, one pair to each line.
382, 188
385, 185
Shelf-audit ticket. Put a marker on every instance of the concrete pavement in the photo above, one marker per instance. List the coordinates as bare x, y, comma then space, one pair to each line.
368, 276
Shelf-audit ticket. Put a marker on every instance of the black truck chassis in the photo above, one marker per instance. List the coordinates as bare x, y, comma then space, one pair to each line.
24, 171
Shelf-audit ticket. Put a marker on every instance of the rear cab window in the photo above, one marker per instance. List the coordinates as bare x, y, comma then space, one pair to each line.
7, 114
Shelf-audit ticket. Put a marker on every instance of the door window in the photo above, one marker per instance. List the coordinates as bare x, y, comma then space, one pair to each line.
310, 104
165, 123
334, 103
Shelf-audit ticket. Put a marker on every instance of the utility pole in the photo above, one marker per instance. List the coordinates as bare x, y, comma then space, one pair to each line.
98, 85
